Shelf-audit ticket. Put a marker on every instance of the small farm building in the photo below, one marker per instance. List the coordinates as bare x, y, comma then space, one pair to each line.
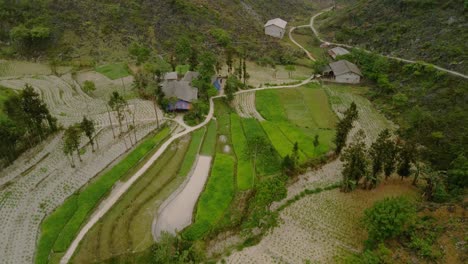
180, 89
276, 28
337, 51
343, 71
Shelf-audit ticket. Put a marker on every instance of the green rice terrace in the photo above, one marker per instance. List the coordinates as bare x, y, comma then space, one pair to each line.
236, 132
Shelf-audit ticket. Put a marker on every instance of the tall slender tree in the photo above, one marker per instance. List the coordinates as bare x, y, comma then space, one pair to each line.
118, 103
355, 163
87, 126
72, 140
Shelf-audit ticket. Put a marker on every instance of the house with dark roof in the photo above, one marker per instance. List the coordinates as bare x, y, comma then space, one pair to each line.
343, 71
275, 28
182, 90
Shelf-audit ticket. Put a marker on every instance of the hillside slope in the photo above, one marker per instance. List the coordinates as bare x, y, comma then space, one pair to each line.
103, 29
434, 31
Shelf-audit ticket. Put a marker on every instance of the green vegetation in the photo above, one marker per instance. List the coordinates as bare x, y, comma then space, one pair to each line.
245, 171
114, 71
433, 116
60, 228
5, 93
209, 144
215, 199
192, 152
388, 218
403, 28
27, 122
297, 115
133, 214
107, 27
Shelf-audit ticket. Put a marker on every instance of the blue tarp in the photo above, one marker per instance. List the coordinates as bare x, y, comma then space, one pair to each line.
179, 105
217, 84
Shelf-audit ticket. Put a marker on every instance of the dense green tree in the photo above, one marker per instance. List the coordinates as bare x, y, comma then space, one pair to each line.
232, 86
193, 59
457, 175
10, 134
344, 126
406, 157
89, 86
87, 126
355, 163
388, 218
319, 65
183, 49
383, 156
139, 52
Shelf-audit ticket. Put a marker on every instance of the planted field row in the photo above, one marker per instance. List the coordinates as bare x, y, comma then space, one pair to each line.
268, 162
60, 228
209, 144
215, 199
297, 115
245, 170
192, 152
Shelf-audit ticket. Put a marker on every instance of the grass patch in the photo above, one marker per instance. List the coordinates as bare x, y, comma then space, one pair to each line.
209, 143
60, 228
215, 199
114, 71
297, 115
127, 226
191, 155
245, 170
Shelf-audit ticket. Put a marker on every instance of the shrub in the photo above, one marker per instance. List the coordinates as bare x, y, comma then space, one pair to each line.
388, 218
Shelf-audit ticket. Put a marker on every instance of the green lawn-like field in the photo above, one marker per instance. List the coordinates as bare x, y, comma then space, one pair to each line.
265, 164
60, 228
209, 143
215, 199
127, 226
297, 115
245, 171
114, 71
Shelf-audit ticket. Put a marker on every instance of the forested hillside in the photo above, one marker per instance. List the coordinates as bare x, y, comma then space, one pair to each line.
434, 31
91, 30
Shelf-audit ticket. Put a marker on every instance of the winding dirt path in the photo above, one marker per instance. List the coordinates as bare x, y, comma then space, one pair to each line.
299, 45
316, 33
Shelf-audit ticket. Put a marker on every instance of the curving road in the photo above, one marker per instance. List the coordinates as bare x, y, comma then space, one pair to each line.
316, 33
299, 45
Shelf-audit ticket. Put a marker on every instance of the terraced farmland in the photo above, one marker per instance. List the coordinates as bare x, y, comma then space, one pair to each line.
320, 228
127, 226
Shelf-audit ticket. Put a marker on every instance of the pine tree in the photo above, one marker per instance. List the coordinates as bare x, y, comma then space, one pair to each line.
355, 163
